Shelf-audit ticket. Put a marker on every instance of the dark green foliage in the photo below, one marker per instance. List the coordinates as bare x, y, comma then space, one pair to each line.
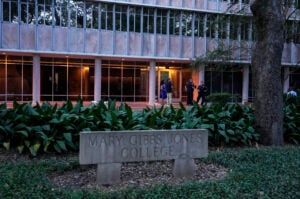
219, 98
47, 128
267, 172
291, 123
228, 125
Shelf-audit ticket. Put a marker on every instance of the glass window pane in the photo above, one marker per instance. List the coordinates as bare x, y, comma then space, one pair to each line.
27, 79
199, 25
92, 17
135, 19
14, 81
60, 83
104, 82
174, 22
187, 19
148, 26
115, 83
47, 82
211, 26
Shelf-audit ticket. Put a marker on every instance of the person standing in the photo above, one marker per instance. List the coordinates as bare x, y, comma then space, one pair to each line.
202, 92
292, 92
190, 91
169, 89
163, 91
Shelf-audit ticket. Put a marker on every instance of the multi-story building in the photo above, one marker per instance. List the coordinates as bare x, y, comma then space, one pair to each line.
54, 50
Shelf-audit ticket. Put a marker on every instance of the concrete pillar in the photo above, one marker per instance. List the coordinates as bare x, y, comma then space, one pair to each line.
293, 54
245, 92
36, 83
97, 80
152, 74
201, 74
286, 80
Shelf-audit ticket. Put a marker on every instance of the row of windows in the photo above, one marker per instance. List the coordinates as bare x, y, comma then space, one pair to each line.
105, 16
293, 31
235, 1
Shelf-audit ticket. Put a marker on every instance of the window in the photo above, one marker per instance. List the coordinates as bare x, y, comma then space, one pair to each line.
107, 16
289, 31
211, 26
15, 78
245, 26
121, 18
297, 4
148, 20
174, 22
296, 33
222, 27
135, 19
92, 17
199, 25
186, 23
10, 11
27, 12
234, 28
61, 14
246, 1
292, 31
45, 13
161, 21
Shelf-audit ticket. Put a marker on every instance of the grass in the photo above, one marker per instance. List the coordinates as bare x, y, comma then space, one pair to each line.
267, 172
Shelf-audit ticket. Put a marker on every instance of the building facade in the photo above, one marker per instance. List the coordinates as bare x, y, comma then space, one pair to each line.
54, 50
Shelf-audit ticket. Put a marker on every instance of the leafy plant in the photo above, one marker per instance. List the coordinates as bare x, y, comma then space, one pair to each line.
45, 128
291, 123
219, 98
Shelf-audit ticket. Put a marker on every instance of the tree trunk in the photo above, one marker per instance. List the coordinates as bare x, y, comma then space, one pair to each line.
266, 68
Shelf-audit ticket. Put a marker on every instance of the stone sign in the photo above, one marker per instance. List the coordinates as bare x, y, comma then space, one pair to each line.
109, 149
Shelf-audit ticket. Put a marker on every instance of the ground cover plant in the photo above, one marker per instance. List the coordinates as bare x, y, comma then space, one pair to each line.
262, 172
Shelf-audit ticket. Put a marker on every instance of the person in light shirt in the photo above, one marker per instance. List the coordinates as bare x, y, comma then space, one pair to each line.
292, 92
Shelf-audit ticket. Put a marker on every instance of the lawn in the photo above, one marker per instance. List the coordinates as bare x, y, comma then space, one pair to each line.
263, 172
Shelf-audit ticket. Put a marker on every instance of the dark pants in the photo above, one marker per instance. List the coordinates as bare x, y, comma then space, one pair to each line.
202, 96
189, 98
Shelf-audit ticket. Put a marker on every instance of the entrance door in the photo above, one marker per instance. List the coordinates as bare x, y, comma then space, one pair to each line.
174, 75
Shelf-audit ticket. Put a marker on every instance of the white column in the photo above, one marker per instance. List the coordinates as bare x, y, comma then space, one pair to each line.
286, 81
152, 74
245, 91
36, 83
97, 80
293, 54
201, 74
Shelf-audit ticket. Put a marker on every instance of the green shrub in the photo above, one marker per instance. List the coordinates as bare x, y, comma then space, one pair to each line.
45, 128
291, 122
228, 125
219, 98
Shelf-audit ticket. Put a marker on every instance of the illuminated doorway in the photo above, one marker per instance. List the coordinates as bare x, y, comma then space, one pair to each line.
174, 74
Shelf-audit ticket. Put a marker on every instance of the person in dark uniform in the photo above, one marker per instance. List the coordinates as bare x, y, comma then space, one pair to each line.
202, 92
190, 91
